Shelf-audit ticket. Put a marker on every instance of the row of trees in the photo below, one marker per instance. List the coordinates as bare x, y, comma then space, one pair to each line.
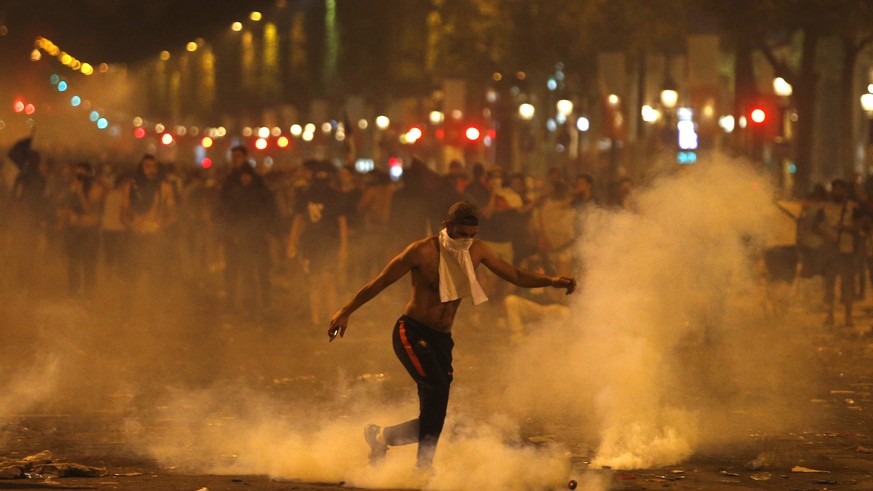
385, 49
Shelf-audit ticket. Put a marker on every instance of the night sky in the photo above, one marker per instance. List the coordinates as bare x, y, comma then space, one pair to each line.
116, 31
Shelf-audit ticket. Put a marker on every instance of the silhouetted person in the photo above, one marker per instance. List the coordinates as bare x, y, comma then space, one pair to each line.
319, 232
836, 223
81, 217
250, 217
31, 213
148, 207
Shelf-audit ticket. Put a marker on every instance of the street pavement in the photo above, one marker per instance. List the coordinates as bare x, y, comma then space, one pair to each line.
830, 449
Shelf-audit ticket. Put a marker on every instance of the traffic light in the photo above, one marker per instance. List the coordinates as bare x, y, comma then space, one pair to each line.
758, 115
472, 134
765, 121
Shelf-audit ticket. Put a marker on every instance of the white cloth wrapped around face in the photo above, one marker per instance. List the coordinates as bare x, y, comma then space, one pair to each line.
457, 276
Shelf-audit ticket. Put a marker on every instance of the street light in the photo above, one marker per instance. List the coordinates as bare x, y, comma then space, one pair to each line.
564, 107
782, 88
526, 111
669, 98
867, 105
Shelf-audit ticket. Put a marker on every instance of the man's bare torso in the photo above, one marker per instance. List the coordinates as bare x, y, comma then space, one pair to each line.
425, 305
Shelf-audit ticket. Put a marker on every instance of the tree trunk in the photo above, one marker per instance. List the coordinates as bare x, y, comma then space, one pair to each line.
805, 96
846, 146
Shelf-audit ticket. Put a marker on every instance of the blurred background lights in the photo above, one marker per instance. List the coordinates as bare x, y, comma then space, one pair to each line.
166, 139
782, 88
263, 132
191, 46
296, 129
261, 143
236, 26
255, 16
75, 101
276, 131
526, 111
552, 84
582, 124
94, 116
363, 124
382, 122
413, 135
758, 116
282, 142
727, 123
102, 123
54, 79
649, 114
165, 55
139, 133
29, 109
62, 86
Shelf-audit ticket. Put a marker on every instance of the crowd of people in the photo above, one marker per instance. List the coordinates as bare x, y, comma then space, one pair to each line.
835, 241
329, 226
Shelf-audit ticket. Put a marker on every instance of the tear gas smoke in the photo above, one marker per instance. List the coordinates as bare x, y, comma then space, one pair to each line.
671, 332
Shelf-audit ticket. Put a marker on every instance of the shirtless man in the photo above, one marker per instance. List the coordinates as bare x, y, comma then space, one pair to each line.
422, 335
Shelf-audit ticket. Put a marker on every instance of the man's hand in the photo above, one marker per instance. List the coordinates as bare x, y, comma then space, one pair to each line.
338, 325
564, 282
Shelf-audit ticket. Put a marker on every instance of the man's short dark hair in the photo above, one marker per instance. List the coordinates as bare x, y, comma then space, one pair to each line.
463, 213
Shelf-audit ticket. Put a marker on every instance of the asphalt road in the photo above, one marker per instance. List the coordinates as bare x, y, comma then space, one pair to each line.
103, 402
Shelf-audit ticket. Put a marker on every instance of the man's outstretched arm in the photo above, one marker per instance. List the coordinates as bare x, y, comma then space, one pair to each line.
395, 270
521, 277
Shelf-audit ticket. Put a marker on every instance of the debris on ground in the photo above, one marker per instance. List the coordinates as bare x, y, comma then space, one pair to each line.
800, 468
42, 465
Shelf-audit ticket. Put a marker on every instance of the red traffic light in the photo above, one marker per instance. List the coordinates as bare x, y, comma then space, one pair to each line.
758, 115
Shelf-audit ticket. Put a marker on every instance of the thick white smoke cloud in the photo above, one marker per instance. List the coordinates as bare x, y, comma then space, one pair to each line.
660, 342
